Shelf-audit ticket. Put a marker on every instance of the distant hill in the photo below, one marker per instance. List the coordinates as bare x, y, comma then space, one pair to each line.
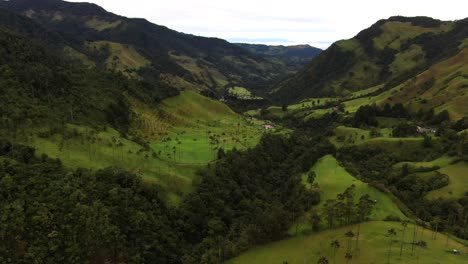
140, 48
388, 54
295, 57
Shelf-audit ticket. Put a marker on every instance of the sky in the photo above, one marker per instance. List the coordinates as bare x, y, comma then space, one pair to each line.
285, 22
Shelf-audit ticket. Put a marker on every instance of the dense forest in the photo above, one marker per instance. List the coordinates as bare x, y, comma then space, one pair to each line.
51, 214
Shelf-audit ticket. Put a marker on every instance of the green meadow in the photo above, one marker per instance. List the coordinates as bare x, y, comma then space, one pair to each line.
196, 128
333, 179
373, 247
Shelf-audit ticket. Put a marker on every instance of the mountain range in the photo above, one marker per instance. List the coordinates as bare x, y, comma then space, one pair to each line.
139, 48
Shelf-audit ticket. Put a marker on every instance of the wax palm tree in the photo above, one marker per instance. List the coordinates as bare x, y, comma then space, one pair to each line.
391, 233
404, 223
322, 260
349, 235
335, 244
348, 257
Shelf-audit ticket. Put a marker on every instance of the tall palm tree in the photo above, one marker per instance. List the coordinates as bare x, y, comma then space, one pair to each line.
349, 235
348, 257
391, 233
404, 223
335, 244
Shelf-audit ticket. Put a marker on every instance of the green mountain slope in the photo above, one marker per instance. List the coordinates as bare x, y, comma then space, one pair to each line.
92, 118
140, 48
388, 53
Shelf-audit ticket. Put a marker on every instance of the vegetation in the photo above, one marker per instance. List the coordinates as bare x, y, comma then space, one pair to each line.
117, 144
374, 246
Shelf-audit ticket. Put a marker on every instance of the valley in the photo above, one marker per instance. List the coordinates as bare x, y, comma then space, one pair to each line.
124, 141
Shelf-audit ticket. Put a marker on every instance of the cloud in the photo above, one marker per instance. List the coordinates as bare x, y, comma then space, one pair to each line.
292, 21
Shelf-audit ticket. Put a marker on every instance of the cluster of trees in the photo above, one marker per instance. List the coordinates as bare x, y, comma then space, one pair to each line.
366, 115
344, 210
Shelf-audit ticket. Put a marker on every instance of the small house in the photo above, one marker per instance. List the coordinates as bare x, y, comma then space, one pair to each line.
426, 130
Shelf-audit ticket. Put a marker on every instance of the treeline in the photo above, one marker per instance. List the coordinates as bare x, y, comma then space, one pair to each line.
344, 211
366, 115
52, 215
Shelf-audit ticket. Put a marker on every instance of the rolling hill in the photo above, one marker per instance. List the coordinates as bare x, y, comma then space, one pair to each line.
390, 53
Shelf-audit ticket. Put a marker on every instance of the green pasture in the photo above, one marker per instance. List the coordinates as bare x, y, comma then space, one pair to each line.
373, 247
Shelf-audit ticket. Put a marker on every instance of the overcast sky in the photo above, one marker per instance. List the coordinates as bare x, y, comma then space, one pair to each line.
285, 22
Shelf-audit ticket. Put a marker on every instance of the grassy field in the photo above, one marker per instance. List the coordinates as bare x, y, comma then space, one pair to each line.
458, 182
122, 57
456, 171
373, 247
190, 130
441, 162
200, 126
243, 93
347, 136
333, 179
395, 33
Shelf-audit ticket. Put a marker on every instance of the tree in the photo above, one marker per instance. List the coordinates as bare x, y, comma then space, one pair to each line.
364, 208
404, 223
349, 235
221, 153
348, 256
311, 177
390, 233
427, 142
314, 220
322, 260
335, 244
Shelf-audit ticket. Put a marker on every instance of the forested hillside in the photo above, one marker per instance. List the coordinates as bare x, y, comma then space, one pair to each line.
387, 54
296, 57
139, 48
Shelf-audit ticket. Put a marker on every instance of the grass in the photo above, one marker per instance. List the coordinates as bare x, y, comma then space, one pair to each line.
456, 171
408, 59
395, 33
101, 25
123, 57
346, 136
184, 133
373, 244
441, 162
243, 93
458, 182
201, 70
199, 126
333, 179
99, 149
